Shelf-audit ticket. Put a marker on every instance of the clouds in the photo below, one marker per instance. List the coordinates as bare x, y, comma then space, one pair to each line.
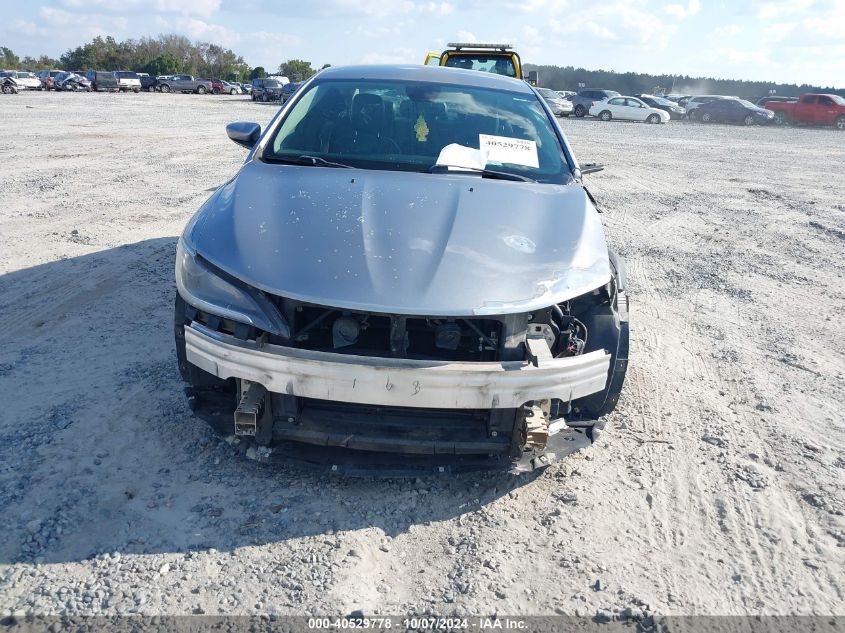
682, 12
784, 40
183, 7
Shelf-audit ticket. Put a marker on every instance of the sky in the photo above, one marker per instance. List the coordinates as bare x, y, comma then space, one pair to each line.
792, 41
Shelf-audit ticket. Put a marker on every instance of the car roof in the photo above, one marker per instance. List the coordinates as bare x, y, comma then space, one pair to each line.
434, 74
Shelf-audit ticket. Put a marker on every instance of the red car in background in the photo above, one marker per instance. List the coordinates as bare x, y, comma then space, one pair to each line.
811, 108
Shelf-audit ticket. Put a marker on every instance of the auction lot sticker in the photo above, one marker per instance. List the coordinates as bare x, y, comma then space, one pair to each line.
503, 149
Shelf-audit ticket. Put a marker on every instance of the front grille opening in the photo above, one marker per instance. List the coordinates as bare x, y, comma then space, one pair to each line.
393, 336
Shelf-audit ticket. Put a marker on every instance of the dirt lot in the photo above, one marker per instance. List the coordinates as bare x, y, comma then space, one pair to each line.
717, 489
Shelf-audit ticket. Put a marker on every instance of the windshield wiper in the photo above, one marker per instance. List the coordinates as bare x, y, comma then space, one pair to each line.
314, 161
485, 173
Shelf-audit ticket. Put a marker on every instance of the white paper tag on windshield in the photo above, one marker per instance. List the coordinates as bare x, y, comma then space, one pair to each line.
503, 149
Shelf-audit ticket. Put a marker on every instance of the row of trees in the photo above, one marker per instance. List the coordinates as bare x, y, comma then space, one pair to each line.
570, 78
163, 55
172, 54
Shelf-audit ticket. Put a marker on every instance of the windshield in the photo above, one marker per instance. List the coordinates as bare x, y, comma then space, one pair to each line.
403, 125
837, 99
661, 101
747, 104
271, 83
485, 63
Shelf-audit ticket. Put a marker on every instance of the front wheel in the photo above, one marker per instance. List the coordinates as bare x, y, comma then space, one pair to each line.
165, 88
605, 115
839, 123
706, 117
653, 118
748, 120
233, 92
580, 111
201, 90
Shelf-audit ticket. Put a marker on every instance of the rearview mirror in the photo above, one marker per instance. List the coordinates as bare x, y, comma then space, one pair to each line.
244, 133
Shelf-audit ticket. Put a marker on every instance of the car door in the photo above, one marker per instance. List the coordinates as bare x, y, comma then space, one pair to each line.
805, 110
825, 111
616, 107
635, 110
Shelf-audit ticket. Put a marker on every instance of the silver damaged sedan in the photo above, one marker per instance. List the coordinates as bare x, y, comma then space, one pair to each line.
406, 276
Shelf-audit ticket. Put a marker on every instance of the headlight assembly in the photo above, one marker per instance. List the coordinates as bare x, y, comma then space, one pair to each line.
216, 293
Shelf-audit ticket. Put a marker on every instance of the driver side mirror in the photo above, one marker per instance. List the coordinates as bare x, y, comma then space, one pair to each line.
244, 133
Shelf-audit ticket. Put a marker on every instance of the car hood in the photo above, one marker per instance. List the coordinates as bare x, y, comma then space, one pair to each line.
403, 242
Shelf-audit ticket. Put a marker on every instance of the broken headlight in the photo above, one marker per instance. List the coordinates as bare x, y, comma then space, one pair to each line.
217, 293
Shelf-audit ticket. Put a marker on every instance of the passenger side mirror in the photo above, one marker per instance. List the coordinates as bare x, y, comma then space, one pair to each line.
244, 133
591, 168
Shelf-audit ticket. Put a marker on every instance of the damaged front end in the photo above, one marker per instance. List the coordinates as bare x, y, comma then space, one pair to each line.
388, 394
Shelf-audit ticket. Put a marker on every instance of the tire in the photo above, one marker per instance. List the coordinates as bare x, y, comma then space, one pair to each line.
233, 92
201, 90
692, 116
605, 115
653, 118
839, 123
7, 89
136, 90
580, 111
165, 88
781, 118
748, 120
215, 91
264, 97
706, 118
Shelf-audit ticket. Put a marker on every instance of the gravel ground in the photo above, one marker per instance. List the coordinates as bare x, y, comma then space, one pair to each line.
717, 489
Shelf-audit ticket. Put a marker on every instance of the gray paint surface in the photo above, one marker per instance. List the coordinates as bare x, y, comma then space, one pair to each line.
401, 242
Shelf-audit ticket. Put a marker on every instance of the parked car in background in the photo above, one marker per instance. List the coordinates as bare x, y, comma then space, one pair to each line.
583, 101
148, 83
246, 88
811, 108
24, 79
627, 109
127, 80
289, 89
661, 103
734, 111
184, 83
565, 94
102, 81
71, 82
267, 89
218, 86
46, 78
698, 100
762, 101
9, 84
558, 105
